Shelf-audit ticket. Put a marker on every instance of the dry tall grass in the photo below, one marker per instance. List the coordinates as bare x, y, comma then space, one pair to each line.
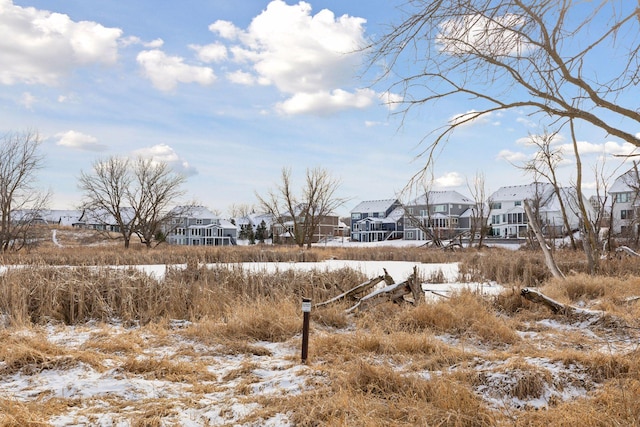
460, 361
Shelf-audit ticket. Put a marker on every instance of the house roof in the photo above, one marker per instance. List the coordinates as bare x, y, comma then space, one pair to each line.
625, 182
395, 215
195, 212
441, 197
522, 192
374, 205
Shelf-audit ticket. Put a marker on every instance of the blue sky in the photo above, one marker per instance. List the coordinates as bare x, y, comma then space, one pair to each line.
229, 92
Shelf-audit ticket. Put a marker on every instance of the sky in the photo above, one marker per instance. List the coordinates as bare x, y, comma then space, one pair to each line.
229, 96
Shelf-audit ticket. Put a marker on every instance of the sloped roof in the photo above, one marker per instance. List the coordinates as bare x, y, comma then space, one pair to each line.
522, 192
374, 205
442, 197
625, 182
195, 212
395, 215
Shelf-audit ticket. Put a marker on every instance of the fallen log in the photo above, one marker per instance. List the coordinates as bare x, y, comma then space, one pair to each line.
360, 289
395, 292
627, 250
556, 307
539, 298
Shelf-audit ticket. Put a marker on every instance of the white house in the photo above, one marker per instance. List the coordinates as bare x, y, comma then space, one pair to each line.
508, 218
198, 226
626, 202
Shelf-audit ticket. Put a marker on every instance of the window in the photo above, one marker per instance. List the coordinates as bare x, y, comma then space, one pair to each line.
626, 214
496, 205
355, 216
410, 211
440, 208
409, 234
623, 197
517, 203
424, 212
199, 221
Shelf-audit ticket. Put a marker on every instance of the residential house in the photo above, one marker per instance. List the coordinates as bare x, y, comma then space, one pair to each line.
46, 216
102, 220
509, 220
328, 227
625, 193
441, 214
254, 221
377, 220
198, 226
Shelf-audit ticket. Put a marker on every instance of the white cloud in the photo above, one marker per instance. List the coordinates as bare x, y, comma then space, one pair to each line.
391, 100
491, 36
326, 102
535, 140
165, 72
27, 100
242, 78
39, 47
512, 156
79, 141
154, 44
471, 118
311, 58
448, 180
164, 153
226, 29
214, 52
526, 122
134, 40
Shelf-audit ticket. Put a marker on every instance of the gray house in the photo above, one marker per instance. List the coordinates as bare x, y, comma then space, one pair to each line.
377, 220
198, 226
444, 214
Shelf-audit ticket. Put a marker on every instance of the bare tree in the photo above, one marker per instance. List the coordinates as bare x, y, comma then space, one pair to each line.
156, 188
540, 55
418, 218
20, 201
105, 195
301, 215
545, 164
480, 213
134, 194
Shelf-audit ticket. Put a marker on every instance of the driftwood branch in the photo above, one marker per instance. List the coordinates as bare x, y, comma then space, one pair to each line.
539, 298
408, 291
627, 250
353, 292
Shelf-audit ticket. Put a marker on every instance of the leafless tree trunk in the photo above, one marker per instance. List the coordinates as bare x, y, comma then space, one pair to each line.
590, 237
478, 224
20, 201
602, 214
538, 55
548, 256
302, 215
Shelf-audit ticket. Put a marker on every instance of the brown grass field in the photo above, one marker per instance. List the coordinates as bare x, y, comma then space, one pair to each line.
220, 346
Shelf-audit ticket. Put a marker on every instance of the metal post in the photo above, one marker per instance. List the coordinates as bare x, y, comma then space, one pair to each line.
306, 313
